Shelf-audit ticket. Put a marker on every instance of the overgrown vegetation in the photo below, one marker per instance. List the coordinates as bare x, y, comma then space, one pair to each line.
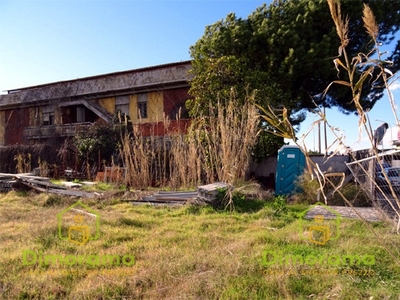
102, 142
216, 148
197, 251
190, 252
16, 158
283, 51
358, 72
310, 193
24, 163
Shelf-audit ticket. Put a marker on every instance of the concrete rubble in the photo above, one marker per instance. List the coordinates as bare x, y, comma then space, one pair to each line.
205, 194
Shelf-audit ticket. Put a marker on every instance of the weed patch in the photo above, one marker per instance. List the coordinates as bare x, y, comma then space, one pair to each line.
187, 252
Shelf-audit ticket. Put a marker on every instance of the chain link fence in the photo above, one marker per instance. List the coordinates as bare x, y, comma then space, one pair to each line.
379, 176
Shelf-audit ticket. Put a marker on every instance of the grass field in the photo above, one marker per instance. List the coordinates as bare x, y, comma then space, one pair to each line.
190, 252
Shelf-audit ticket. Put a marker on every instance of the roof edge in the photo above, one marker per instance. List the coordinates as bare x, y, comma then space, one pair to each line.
100, 75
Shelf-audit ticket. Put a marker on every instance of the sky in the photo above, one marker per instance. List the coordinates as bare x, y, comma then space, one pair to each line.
53, 40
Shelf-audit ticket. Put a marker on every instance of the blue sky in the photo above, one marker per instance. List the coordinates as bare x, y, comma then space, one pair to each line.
49, 41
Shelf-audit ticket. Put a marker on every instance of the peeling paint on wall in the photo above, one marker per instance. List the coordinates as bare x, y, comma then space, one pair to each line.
108, 104
133, 108
155, 107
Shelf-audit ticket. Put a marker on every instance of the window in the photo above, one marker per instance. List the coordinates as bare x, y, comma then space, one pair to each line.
48, 118
47, 115
122, 104
142, 106
80, 114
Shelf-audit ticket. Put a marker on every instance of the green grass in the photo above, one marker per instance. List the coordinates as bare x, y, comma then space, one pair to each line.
191, 252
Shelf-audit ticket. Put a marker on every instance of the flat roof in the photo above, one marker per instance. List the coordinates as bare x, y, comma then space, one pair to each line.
102, 75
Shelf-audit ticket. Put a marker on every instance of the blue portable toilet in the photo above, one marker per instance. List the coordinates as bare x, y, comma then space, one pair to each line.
291, 163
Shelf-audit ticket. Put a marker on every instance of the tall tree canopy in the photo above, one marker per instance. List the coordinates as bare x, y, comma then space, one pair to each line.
285, 53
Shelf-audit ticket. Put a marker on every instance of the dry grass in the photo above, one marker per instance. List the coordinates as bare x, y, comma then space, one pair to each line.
161, 160
182, 253
358, 70
215, 148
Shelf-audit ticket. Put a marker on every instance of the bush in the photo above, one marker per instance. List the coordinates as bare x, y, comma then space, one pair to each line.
310, 187
353, 193
309, 190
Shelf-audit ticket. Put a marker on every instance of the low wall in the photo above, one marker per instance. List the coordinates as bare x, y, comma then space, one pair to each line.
334, 164
264, 171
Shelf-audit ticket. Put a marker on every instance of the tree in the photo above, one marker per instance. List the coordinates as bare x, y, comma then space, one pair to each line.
102, 140
285, 54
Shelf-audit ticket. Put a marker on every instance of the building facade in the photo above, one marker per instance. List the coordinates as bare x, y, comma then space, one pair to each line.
55, 111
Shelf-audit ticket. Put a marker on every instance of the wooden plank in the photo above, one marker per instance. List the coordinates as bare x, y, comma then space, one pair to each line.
28, 176
38, 179
25, 176
59, 191
155, 203
72, 193
7, 175
151, 199
177, 192
45, 184
173, 199
39, 189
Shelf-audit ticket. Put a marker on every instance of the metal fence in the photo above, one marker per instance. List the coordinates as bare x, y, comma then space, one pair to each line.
379, 177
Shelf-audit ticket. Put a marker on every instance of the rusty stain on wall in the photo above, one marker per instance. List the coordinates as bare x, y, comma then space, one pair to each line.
17, 120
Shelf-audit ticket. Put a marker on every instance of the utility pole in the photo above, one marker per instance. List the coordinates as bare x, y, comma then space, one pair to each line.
319, 137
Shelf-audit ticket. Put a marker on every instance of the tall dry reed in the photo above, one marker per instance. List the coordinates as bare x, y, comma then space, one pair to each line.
216, 147
367, 64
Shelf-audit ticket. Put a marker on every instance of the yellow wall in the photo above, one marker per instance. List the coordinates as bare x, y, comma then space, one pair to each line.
2, 126
133, 108
155, 108
108, 104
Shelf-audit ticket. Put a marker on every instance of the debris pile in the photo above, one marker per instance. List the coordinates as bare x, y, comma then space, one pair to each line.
37, 183
6, 182
170, 198
208, 193
204, 194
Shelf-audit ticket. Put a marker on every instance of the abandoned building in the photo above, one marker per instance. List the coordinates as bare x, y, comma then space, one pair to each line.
48, 114
41, 113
